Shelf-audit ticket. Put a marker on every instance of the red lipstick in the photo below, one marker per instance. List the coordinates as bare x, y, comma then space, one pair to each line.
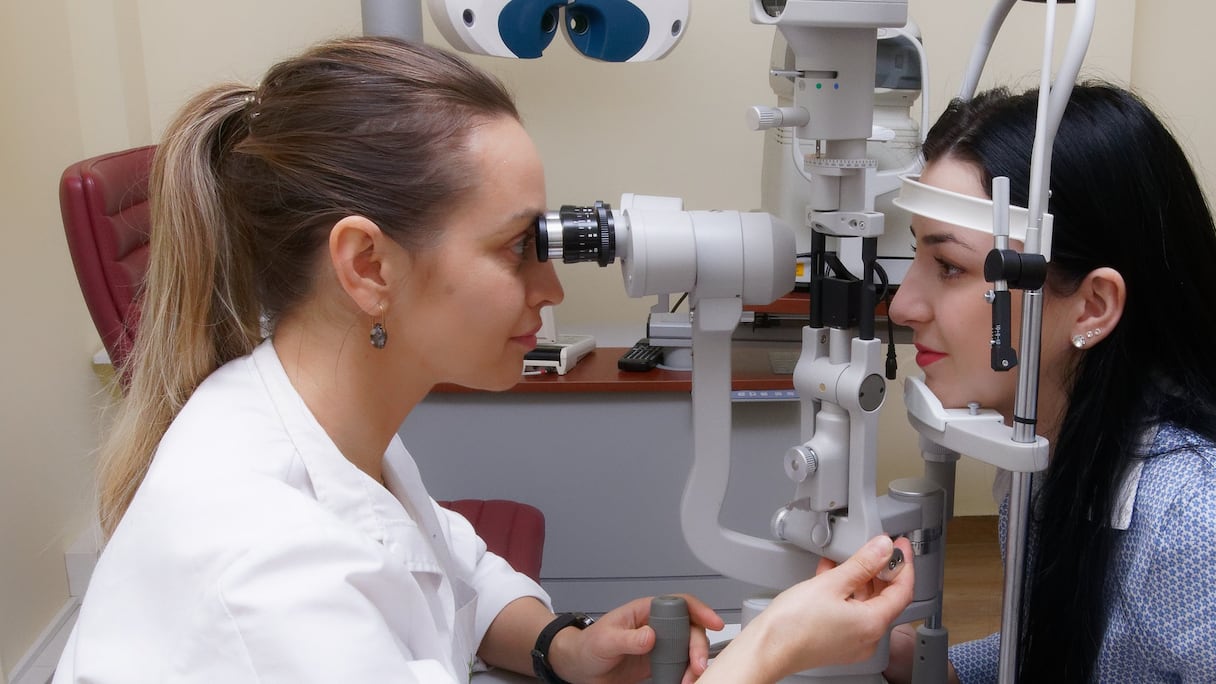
926, 356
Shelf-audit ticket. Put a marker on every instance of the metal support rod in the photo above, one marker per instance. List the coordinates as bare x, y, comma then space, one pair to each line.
395, 18
1015, 556
1026, 403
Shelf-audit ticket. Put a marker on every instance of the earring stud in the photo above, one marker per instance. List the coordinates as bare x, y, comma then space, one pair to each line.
1079, 341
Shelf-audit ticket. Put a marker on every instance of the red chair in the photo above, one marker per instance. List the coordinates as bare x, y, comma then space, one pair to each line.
513, 530
106, 215
104, 201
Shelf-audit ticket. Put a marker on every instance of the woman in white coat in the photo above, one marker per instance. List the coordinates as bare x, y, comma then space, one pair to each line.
327, 247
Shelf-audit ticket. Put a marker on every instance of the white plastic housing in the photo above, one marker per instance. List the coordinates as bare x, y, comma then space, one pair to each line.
481, 37
709, 254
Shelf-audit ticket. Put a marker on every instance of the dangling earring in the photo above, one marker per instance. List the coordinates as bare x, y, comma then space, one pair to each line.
379, 335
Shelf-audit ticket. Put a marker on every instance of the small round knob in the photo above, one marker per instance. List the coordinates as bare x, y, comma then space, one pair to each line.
800, 463
762, 118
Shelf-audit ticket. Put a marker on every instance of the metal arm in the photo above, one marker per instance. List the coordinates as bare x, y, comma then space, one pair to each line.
396, 18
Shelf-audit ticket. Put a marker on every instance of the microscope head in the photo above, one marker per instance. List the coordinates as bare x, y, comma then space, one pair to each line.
605, 30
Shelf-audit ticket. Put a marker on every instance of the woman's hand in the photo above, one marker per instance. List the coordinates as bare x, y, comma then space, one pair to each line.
839, 616
616, 648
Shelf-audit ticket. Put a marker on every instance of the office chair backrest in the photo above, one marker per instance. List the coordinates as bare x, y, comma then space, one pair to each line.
104, 201
512, 529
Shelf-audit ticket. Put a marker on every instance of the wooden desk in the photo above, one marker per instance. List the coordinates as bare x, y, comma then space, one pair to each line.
751, 369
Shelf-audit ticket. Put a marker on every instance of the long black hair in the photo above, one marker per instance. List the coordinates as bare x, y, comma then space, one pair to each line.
1124, 196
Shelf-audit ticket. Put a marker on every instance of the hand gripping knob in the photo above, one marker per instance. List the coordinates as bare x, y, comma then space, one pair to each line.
669, 658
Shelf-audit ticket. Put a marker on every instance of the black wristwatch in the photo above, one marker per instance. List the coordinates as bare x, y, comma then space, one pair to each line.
540, 652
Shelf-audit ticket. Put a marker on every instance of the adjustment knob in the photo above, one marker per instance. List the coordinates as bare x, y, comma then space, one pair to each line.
761, 118
800, 463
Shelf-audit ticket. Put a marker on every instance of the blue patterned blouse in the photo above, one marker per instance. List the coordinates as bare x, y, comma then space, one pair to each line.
1162, 585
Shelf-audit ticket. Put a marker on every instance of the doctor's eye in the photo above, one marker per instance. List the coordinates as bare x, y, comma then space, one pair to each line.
522, 246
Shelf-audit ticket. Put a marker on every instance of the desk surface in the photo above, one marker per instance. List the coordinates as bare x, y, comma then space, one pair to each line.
751, 369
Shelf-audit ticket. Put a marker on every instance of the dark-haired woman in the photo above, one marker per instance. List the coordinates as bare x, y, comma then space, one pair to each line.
1119, 584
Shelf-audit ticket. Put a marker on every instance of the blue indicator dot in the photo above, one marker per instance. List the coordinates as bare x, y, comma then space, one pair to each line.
836, 86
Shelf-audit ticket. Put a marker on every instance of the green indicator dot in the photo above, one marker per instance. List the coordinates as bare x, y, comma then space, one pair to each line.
818, 86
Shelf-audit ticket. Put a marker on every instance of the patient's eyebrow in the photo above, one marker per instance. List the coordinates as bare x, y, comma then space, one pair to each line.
940, 238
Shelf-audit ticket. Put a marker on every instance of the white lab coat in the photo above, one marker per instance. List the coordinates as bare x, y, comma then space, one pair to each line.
255, 552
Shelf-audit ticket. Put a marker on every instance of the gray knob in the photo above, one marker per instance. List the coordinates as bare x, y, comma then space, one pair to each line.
669, 658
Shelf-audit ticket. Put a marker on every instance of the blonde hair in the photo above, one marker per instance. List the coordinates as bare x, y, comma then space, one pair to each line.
363, 126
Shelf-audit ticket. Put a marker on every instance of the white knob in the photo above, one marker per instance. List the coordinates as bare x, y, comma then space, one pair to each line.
761, 118
800, 463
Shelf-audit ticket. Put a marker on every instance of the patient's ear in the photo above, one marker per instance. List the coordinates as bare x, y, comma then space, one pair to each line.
1102, 296
359, 253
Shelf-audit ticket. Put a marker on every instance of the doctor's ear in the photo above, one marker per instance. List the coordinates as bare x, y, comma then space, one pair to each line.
361, 256
1103, 294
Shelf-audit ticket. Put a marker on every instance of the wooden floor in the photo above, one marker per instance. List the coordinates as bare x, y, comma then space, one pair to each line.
971, 606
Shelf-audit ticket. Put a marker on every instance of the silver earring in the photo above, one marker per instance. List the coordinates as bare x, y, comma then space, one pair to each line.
379, 336
1079, 341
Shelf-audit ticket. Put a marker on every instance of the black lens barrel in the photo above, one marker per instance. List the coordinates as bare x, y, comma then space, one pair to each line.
577, 234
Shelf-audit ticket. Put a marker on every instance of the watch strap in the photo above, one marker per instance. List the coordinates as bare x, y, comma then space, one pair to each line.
540, 652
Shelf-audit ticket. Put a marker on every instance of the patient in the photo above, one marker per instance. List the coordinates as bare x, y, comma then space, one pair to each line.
371, 206
1118, 584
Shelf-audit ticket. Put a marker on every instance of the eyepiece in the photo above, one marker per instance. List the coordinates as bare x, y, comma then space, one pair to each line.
577, 234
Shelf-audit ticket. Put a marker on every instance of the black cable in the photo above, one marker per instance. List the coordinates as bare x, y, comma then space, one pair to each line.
886, 296
834, 264
679, 302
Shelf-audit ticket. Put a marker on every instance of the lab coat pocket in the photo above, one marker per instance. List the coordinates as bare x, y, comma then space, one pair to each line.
464, 629
453, 603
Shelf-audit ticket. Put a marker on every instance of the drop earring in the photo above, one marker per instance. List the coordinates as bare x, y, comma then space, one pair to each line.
379, 336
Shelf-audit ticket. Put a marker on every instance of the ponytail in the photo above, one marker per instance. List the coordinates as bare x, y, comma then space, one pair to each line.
197, 309
371, 127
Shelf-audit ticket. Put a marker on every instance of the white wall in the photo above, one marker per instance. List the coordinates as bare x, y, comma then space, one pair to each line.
1170, 71
85, 76
47, 407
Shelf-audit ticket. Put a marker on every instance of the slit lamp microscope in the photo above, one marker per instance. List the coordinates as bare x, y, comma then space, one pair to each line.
825, 185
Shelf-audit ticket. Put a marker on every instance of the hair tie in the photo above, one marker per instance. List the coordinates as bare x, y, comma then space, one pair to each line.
251, 103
